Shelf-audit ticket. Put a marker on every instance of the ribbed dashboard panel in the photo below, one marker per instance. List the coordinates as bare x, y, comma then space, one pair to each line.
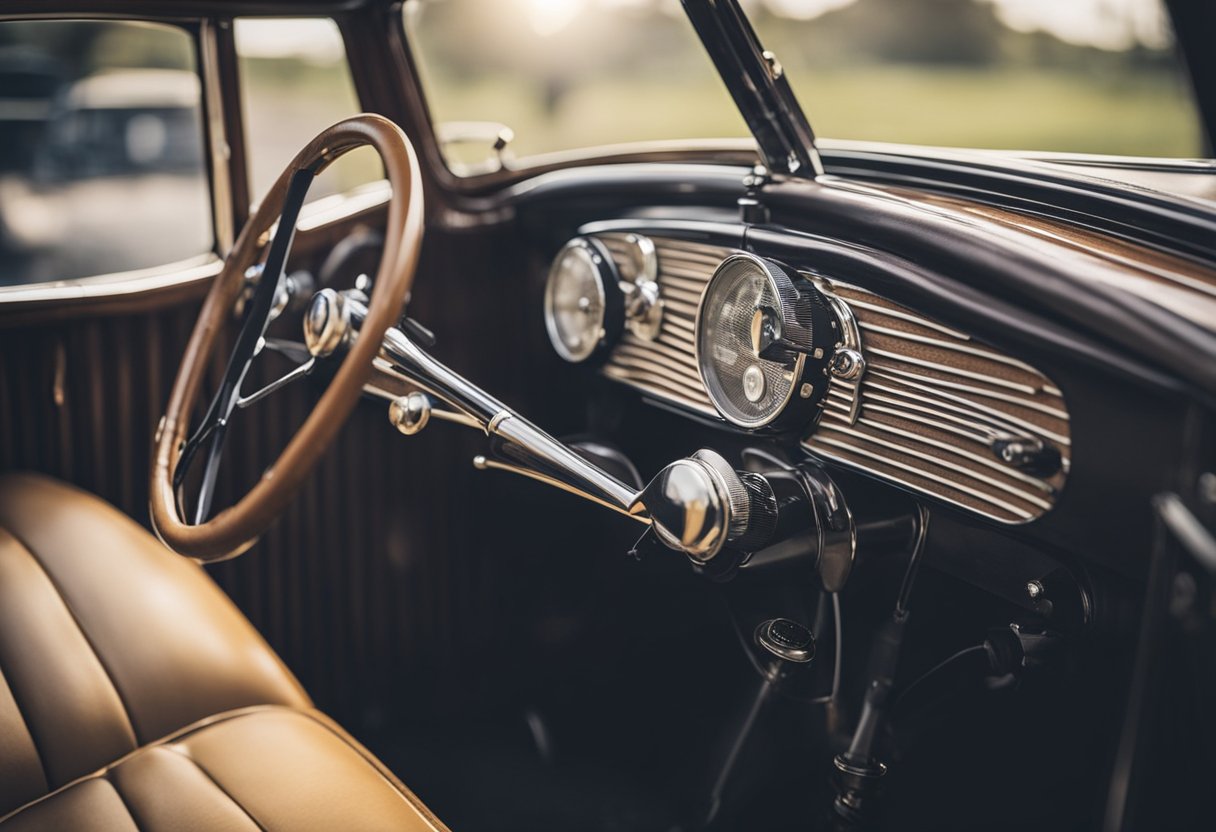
666, 367
932, 403
932, 400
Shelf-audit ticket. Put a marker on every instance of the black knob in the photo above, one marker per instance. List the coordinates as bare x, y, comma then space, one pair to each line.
787, 640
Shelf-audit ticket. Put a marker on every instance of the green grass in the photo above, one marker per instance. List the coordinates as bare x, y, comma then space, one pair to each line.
992, 108
1070, 111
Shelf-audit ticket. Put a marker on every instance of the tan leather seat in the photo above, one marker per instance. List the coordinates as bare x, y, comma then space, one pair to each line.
134, 695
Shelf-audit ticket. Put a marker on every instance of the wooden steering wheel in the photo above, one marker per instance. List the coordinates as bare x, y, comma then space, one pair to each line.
233, 530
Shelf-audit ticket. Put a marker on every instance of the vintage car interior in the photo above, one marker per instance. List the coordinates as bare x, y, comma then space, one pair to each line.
767, 482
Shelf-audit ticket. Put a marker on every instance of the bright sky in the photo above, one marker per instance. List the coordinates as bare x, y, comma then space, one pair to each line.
315, 38
1110, 24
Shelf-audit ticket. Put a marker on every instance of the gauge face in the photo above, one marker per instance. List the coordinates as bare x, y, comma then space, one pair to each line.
582, 301
754, 333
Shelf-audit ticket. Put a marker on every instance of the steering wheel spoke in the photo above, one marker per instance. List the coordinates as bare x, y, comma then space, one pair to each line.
282, 381
249, 341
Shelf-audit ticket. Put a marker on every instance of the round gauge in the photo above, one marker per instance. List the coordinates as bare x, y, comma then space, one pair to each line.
763, 344
584, 305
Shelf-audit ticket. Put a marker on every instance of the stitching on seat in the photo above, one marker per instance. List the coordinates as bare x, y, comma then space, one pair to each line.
185, 753
215, 719
122, 799
391, 779
126, 709
29, 729
316, 717
43, 480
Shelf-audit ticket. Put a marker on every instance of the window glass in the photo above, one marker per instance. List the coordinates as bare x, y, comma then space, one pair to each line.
101, 150
1085, 76
564, 74
295, 82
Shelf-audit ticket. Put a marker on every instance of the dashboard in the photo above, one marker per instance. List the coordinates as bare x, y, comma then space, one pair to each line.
756, 344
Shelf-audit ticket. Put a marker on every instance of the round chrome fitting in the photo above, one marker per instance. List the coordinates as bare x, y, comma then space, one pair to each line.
327, 324
787, 640
410, 413
847, 364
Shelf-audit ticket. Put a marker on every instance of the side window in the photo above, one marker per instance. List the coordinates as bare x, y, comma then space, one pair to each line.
295, 82
101, 150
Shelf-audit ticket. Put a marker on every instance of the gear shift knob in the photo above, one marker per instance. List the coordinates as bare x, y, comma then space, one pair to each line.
697, 505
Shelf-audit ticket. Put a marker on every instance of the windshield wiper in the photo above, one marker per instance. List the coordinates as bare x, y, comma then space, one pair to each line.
759, 87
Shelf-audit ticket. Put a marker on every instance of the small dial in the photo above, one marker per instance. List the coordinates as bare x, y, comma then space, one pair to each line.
763, 342
584, 306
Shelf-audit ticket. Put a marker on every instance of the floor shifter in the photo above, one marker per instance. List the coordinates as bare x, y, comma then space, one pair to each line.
790, 646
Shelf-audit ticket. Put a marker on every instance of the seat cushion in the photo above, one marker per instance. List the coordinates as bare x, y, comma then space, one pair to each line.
267, 768
134, 694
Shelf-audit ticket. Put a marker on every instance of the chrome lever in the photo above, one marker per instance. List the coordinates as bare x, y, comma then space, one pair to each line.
696, 505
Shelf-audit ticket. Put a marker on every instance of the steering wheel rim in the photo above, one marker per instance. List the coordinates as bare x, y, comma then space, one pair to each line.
234, 529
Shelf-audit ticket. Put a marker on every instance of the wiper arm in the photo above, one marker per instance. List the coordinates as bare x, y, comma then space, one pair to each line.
759, 87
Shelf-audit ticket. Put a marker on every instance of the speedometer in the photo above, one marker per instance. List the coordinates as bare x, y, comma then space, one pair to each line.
584, 305
763, 344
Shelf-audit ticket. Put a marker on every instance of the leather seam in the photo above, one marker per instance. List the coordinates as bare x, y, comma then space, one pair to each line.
215, 719
126, 709
29, 729
377, 766
122, 798
44, 480
210, 778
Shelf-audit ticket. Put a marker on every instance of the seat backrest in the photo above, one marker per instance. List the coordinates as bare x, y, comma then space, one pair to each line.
108, 640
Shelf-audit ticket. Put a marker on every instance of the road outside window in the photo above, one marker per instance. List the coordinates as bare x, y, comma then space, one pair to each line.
101, 150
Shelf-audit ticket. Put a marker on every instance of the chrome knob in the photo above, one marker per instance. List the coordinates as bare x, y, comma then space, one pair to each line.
327, 325
410, 413
699, 504
688, 509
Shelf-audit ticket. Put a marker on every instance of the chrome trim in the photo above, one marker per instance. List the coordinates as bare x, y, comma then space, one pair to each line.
497, 419
1020, 513
580, 248
644, 309
980, 459
932, 460
770, 274
282, 381
965, 347
217, 138
848, 366
484, 463
981, 412
200, 269
902, 377
896, 313
948, 370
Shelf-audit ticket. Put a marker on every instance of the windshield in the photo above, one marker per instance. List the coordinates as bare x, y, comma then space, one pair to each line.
1065, 76
563, 75
1080, 76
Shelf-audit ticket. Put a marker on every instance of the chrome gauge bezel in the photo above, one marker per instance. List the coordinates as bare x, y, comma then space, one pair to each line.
810, 332
609, 295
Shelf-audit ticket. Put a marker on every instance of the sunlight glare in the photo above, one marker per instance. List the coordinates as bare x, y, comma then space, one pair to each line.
548, 17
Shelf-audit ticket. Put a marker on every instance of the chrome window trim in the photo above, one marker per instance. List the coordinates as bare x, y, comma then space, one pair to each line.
198, 269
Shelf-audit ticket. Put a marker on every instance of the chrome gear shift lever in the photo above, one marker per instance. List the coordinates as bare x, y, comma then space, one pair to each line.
698, 506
